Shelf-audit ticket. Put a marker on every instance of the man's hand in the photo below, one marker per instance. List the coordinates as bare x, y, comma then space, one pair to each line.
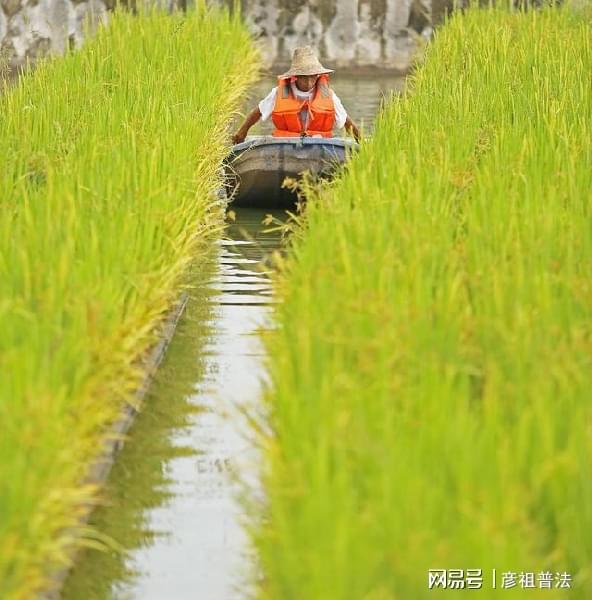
239, 137
250, 120
350, 126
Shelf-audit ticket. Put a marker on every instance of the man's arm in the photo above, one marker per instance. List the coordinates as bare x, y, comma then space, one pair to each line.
250, 120
350, 126
342, 119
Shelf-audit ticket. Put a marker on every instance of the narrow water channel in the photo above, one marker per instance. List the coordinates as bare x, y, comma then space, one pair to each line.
171, 496
171, 502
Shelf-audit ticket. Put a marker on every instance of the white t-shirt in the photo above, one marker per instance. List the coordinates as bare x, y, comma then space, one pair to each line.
267, 104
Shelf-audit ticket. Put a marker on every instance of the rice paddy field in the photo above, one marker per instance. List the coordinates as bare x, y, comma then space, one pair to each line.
431, 368
109, 166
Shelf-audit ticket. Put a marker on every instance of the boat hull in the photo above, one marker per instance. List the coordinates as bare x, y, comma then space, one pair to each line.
257, 169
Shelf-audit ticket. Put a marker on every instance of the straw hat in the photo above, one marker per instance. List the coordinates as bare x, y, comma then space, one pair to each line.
305, 62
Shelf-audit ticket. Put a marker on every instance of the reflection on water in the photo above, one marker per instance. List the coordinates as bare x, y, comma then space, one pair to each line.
173, 503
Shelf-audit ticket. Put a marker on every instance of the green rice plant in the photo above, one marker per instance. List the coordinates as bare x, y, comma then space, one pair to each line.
109, 166
431, 367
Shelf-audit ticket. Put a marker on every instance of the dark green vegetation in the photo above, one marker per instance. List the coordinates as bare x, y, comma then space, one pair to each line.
432, 365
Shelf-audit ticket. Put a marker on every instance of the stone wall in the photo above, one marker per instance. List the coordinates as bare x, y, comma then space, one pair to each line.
347, 33
33, 28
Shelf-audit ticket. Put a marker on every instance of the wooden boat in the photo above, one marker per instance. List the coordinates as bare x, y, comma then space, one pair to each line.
256, 168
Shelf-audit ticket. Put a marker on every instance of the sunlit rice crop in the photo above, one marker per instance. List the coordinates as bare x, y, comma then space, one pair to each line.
431, 368
109, 164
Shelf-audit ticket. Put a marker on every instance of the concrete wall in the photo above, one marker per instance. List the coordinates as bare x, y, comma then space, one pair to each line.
347, 33
33, 28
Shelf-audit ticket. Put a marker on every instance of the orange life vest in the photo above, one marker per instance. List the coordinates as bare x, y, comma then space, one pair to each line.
287, 109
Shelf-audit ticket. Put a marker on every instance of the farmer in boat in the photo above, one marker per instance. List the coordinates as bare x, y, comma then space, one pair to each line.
302, 104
